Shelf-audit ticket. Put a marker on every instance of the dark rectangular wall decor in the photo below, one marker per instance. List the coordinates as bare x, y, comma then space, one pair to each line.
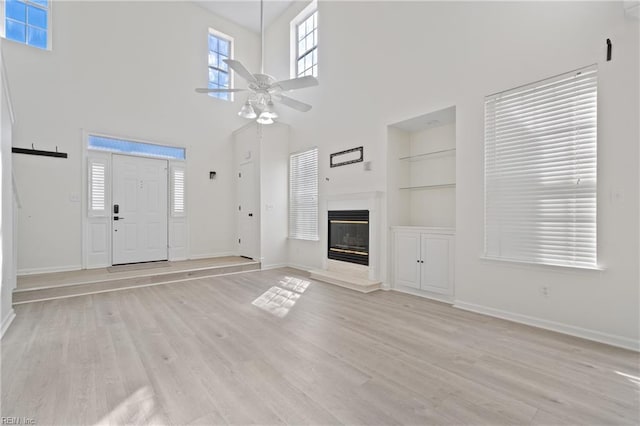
350, 156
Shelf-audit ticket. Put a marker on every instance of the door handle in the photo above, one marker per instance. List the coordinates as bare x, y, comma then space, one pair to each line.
118, 218
250, 214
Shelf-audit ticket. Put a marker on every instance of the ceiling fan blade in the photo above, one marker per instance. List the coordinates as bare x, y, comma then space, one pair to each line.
202, 90
240, 70
292, 103
297, 83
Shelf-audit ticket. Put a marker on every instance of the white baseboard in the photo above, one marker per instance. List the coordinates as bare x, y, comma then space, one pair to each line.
33, 271
304, 268
6, 322
415, 292
264, 267
211, 255
596, 336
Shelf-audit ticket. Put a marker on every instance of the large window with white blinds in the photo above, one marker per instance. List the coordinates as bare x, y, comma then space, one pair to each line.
541, 171
303, 195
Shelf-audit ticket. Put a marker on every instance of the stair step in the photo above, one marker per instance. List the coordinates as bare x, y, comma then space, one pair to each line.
37, 294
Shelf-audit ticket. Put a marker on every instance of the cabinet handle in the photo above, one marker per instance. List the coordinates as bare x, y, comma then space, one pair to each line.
418, 260
422, 261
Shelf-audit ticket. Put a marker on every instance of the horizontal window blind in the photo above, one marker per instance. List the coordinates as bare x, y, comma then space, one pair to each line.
303, 195
541, 171
177, 191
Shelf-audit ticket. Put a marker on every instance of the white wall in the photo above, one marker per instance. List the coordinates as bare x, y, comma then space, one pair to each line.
7, 261
127, 69
274, 195
267, 147
384, 62
398, 176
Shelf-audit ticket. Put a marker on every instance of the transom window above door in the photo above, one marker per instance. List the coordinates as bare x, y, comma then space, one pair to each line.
103, 143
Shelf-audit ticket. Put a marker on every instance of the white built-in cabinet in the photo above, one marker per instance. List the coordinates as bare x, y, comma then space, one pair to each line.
423, 258
421, 203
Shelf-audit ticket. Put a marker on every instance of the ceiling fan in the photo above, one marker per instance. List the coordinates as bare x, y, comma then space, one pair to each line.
265, 90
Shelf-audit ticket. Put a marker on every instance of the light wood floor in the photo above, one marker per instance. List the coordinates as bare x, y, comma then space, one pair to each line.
256, 348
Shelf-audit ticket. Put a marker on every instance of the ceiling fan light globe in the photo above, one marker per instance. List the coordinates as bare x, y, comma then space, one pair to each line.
262, 119
247, 111
268, 110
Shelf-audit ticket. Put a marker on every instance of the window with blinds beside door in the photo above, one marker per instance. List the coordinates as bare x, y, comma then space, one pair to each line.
541, 172
303, 195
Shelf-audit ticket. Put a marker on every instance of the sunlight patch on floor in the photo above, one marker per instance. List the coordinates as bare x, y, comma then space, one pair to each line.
278, 301
633, 379
295, 284
139, 408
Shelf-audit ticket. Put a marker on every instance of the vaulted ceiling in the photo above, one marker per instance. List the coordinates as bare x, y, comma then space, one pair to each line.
246, 12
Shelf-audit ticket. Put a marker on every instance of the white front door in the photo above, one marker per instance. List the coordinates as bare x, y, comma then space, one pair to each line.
139, 211
247, 214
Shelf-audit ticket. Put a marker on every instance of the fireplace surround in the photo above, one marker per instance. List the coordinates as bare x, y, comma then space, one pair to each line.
360, 277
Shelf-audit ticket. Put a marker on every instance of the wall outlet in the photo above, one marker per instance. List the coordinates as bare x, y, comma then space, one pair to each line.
544, 291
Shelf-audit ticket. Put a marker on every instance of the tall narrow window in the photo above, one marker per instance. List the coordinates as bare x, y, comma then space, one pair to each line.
541, 170
97, 187
220, 47
177, 191
303, 195
27, 21
304, 34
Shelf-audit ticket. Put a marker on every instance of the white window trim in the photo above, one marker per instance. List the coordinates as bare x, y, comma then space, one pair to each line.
537, 262
317, 236
232, 44
293, 36
3, 22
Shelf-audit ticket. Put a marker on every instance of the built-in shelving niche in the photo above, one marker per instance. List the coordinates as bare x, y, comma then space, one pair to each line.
422, 170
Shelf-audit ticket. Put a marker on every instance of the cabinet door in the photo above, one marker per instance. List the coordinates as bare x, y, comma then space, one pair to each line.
435, 263
407, 259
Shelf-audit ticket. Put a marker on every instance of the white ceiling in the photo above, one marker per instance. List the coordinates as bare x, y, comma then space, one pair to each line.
246, 12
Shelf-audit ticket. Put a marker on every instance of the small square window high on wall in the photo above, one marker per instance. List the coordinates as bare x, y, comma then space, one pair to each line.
27, 22
220, 48
304, 42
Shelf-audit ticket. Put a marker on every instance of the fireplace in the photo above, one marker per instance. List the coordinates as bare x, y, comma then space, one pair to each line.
349, 236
